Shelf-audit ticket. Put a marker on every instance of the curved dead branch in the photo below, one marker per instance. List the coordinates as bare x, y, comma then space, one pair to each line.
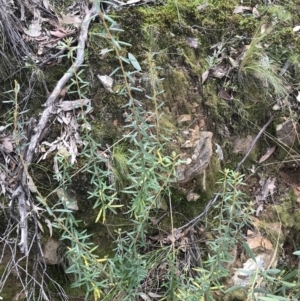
22, 192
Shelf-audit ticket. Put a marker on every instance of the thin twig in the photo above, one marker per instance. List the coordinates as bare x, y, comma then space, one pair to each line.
254, 142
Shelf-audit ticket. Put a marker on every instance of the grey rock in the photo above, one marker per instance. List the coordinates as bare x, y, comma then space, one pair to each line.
202, 153
286, 132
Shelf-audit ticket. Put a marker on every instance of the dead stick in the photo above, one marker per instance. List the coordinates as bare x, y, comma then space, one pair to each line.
21, 191
61, 84
254, 142
214, 199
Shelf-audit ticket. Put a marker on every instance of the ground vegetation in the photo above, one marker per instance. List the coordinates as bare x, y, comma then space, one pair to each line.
149, 150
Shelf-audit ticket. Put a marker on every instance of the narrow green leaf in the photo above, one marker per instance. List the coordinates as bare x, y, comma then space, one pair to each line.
124, 59
249, 251
124, 43
118, 68
130, 78
297, 253
267, 299
136, 89
49, 210
63, 210
273, 271
108, 18
234, 288
290, 275
116, 44
278, 297
288, 284
134, 62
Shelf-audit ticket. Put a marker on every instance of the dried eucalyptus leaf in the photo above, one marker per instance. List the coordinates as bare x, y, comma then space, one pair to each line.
241, 9
154, 295
255, 12
268, 153
296, 28
219, 151
131, 2
70, 105
7, 143
259, 209
192, 42
107, 82
49, 225
184, 118
192, 197
31, 184
40, 226
34, 29
298, 96
276, 107
205, 76
145, 297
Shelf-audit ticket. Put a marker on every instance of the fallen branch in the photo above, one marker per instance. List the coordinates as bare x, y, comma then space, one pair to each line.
214, 199
21, 192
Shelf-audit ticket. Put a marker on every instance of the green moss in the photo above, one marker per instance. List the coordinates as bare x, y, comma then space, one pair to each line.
176, 87
218, 109
163, 16
289, 217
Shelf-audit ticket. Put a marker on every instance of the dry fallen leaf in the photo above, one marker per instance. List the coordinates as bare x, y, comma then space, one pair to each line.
297, 193
255, 12
7, 143
259, 209
188, 161
58, 33
296, 28
107, 82
46, 5
268, 153
241, 9
49, 225
276, 107
34, 29
219, 151
233, 62
3, 182
192, 197
225, 94
192, 42
205, 76
184, 117
154, 295
115, 122
220, 71
74, 20
31, 184
187, 144
271, 185
70, 105
259, 241
298, 96
145, 297
131, 2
